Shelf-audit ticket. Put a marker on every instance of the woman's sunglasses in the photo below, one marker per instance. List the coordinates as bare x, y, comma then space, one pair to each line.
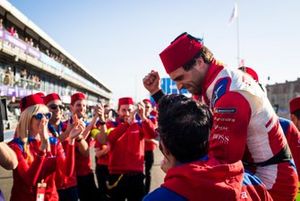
54, 107
39, 116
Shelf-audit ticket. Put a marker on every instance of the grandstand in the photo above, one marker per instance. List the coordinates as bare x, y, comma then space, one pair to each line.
31, 61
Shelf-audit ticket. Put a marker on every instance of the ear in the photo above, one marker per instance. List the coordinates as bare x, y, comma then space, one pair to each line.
294, 118
199, 64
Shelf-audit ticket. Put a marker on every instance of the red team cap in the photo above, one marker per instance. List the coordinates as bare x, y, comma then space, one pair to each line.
30, 100
295, 105
77, 96
182, 50
146, 100
250, 71
125, 101
51, 97
40, 94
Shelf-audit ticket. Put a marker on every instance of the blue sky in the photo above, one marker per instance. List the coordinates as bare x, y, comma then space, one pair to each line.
119, 41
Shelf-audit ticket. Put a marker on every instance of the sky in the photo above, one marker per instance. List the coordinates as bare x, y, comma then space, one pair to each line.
120, 41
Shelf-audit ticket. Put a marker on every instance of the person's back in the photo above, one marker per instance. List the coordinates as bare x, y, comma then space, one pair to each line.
184, 128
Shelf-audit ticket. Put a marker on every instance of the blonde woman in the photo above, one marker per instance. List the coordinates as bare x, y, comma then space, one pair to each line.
39, 155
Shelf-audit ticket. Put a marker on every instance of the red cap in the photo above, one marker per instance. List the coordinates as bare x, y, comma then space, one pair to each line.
146, 100
77, 96
294, 105
51, 97
182, 50
31, 100
40, 94
125, 101
250, 72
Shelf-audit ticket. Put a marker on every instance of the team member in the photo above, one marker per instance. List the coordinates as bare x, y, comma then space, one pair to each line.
295, 111
184, 126
38, 154
150, 145
126, 156
83, 165
293, 135
102, 172
245, 124
66, 185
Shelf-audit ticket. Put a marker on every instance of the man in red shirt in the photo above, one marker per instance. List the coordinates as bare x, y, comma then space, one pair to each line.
83, 164
66, 185
150, 145
294, 135
295, 111
126, 156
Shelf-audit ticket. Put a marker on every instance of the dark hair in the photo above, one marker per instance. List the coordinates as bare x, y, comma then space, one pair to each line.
184, 126
205, 53
297, 114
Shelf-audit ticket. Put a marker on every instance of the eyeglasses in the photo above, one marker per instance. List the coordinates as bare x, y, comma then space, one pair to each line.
54, 107
39, 116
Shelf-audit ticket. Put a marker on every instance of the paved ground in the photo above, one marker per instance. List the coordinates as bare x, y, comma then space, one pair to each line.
157, 178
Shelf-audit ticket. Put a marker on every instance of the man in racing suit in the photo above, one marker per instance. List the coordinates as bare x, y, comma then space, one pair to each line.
245, 124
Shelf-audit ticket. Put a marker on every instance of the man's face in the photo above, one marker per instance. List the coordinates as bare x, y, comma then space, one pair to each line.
125, 111
148, 108
106, 111
296, 121
190, 80
79, 108
55, 107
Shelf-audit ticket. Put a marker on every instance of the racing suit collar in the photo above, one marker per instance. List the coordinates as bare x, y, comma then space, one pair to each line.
212, 72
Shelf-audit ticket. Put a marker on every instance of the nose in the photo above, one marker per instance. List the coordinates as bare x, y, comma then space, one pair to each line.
44, 118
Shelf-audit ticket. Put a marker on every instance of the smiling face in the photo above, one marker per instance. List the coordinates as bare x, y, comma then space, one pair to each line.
125, 111
148, 108
79, 108
56, 108
40, 116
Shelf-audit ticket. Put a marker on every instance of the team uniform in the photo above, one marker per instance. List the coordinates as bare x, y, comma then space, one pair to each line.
150, 145
102, 172
246, 127
35, 166
126, 158
85, 177
66, 184
293, 137
207, 179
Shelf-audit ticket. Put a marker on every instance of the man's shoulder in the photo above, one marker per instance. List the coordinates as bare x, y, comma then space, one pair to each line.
163, 194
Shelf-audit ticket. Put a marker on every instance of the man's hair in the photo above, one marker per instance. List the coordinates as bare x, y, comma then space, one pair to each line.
297, 114
205, 53
184, 126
